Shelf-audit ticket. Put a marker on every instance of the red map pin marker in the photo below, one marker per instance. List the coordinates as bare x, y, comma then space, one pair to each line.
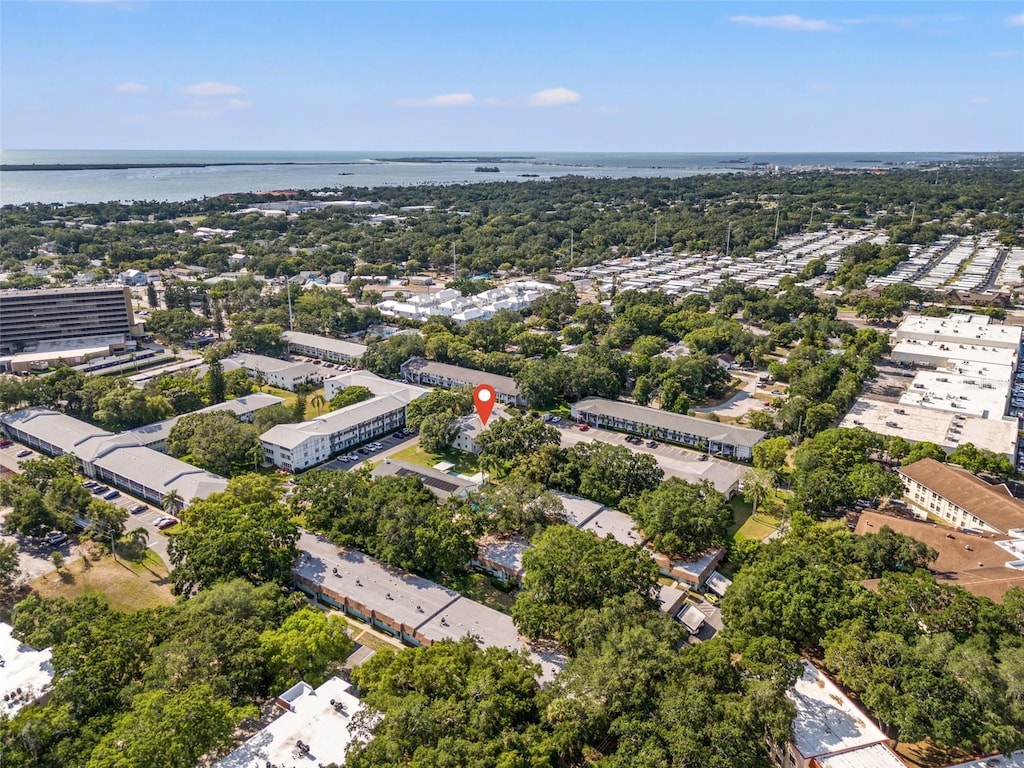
483, 399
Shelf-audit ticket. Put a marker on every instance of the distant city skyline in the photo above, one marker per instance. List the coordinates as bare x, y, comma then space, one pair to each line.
528, 76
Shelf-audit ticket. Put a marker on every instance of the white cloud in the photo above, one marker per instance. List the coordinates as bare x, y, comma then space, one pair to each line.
980, 100
1016, 21
554, 97
440, 100
131, 87
210, 88
239, 104
788, 21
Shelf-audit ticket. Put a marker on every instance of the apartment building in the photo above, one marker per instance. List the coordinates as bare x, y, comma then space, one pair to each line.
295, 447
711, 436
324, 348
47, 314
417, 370
953, 495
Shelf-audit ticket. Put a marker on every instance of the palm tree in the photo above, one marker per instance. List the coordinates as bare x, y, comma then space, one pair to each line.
318, 402
173, 503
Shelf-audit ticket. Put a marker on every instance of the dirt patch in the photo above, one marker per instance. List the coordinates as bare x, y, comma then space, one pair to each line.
125, 586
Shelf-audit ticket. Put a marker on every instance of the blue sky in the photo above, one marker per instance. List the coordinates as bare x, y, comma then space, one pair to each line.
530, 76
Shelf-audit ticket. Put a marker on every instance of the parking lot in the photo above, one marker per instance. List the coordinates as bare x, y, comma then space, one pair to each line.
388, 445
35, 553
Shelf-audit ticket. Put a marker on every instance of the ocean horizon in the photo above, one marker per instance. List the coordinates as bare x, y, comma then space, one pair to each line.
178, 175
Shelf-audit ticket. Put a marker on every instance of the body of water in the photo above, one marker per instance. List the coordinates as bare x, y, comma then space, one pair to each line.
215, 172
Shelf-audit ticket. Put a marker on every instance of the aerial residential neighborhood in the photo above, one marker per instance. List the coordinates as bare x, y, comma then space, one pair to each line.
511, 385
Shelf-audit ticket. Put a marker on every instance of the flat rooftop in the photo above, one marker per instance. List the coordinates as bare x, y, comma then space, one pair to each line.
921, 424
435, 612
952, 353
23, 668
875, 756
320, 718
377, 385
338, 346
960, 326
959, 394
611, 522
826, 720
441, 484
577, 509
292, 435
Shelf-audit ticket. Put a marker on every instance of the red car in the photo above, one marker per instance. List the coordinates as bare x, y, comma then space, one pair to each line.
583, 427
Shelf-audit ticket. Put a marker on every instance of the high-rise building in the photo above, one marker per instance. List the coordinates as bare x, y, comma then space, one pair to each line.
46, 314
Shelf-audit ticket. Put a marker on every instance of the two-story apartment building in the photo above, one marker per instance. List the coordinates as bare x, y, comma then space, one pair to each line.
953, 495
417, 370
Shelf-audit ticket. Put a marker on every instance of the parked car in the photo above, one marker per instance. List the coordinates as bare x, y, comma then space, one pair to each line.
23, 453
5, 443
99, 490
138, 509
652, 443
711, 597
584, 427
165, 521
90, 484
556, 419
109, 495
55, 538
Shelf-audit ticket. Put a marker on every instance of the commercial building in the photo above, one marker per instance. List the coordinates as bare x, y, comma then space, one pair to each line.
299, 446
282, 374
420, 371
155, 435
829, 730
376, 384
946, 427
116, 459
314, 728
25, 673
711, 436
64, 313
324, 347
961, 391
40, 355
441, 484
956, 329
955, 496
413, 609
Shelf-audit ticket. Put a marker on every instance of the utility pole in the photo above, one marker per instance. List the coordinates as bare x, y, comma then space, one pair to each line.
728, 238
455, 264
571, 246
777, 212
655, 234
811, 222
288, 291
913, 212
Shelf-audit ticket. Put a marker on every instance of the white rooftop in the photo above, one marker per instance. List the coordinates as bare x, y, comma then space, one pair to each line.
578, 510
376, 384
875, 756
612, 522
1013, 760
292, 435
978, 328
347, 348
951, 353
954, 392
21, 667
310, 718
826, 720
946, 428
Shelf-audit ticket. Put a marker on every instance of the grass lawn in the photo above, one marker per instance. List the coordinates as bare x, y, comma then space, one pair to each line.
746, 525
124, 585
291, 397
465, 463
372, 639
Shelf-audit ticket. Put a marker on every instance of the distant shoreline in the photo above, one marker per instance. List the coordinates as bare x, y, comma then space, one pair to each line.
129, 166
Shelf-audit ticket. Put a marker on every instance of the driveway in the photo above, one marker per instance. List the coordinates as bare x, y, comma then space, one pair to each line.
741, 403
